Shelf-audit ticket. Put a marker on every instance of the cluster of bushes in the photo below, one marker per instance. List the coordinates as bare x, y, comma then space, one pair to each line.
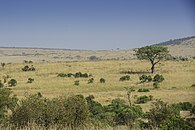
157, 79
124, 78
145, 78
176, 58
27, 68
12, 83
143, 90
76, 75
77, 112
30, 80
143, 99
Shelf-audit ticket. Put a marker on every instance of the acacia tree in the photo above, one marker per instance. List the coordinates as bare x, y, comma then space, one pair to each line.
152, 53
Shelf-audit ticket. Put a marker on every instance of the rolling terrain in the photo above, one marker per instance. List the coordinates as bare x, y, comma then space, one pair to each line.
184, 47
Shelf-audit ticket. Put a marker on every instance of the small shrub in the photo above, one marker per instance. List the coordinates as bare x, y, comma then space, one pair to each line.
1, 84
27, 68
185, 106
76, 82
70, 75
158, 78
3, 65
144, 99
12, 83
156, 85
193, 85
81, 75
126, 77
30, 80
143, 78
143, 90
61, 75
93, 58
90, 80
102, 80
149, 78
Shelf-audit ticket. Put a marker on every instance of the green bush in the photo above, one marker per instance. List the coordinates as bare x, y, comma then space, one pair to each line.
62, 74
81, 75
156, 84
185, 106
8, 103
27, 68
69, 112
126, 77
121, 113
143, 99
143, 78
158, 78
76, 82
166, 116
1, 85
143, 90
149, 78
12, 83
95, 108
90, 80
30, 80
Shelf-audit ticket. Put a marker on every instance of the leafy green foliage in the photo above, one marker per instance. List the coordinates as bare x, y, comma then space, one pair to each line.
62, 74
166, 116
90, 80
185, 106
158, 78
125, 78
144, 78
1, 84
152, 53
12, 83
8, 102
30, 80
121, 113
68, 112
76, 75
144, 99
143, 90
27, 68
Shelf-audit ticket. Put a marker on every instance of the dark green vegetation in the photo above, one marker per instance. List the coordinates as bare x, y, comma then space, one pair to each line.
124, 78
27, 68
78, 112
76, 75
152, 53
30, 80
12, 83
157, 79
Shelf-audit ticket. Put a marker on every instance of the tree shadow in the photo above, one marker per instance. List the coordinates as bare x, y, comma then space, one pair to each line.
135, 72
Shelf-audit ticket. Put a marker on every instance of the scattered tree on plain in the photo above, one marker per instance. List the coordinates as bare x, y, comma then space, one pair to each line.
152, 53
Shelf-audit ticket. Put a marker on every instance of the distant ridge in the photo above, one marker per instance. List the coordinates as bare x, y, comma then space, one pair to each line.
174, 41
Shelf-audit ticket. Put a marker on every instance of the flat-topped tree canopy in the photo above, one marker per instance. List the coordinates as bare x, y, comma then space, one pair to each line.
152, 53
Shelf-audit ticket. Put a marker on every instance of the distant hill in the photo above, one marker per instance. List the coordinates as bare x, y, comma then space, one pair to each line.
175, 41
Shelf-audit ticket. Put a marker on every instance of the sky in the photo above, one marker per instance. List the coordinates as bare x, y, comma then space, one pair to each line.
94, 24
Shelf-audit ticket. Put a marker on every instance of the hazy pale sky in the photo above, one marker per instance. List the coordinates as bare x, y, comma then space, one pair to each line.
94, 24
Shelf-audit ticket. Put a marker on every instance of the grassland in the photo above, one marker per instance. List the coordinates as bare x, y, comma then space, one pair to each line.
179, 76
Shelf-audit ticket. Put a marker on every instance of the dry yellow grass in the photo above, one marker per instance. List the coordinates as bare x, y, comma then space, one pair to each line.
179, 76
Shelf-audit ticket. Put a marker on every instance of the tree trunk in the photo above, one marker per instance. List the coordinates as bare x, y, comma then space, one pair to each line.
152, 68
